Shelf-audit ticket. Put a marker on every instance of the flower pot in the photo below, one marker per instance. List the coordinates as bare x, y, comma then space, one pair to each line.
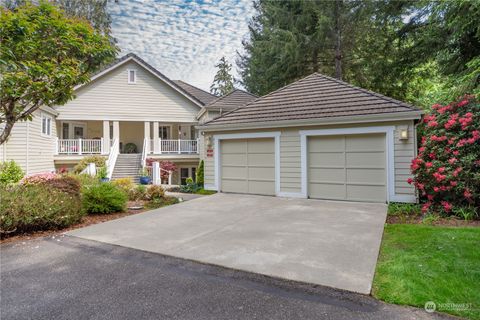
104, 179
145, 180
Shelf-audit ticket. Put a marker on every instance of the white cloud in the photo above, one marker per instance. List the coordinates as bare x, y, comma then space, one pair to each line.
182, 39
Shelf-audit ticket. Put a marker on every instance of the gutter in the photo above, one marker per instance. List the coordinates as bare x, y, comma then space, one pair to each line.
409, 115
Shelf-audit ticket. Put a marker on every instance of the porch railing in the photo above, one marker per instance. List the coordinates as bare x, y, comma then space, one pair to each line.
79, 146
172, 146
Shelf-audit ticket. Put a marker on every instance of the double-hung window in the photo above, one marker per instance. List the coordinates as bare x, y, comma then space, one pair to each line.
46, 125
164, 132
132, 76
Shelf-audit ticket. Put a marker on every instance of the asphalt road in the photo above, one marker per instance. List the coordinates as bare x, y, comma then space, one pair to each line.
70, 278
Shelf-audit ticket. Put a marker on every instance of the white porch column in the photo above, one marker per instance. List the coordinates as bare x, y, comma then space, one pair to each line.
116, 130
146, 135
106, 137
156, 138
156, 173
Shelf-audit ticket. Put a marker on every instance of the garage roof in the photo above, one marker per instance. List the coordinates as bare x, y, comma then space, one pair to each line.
201, 95
313, 97
232, 100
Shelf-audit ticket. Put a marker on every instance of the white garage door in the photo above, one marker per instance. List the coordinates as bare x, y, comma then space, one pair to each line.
347, 167
248, 166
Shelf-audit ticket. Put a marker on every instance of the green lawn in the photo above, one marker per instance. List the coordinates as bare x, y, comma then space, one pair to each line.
420, 263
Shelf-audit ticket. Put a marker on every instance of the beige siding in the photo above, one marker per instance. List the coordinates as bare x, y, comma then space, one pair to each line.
111, 97
29, 148
290, 164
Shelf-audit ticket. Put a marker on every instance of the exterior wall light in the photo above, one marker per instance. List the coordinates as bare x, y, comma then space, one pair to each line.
404, 134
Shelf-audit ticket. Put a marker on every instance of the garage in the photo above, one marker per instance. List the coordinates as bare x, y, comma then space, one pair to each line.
347, 167
248, 166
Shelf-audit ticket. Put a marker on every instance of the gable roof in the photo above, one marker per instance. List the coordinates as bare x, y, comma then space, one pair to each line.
314, 97
232, 100
133, 57
201, 95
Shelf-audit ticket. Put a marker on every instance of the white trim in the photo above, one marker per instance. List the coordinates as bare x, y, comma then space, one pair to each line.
389, 148
164, 79
253, 135
134, 76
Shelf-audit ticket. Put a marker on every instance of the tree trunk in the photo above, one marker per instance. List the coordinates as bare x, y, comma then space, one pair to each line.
338, 40
6, 130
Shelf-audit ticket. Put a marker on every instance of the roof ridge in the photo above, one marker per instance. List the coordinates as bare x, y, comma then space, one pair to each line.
229, 94
368, 91
191, 85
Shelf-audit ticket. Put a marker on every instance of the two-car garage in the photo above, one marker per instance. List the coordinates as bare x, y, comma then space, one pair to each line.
338, 167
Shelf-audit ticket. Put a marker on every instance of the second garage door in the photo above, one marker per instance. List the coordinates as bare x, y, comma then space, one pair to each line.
348, 167
248, 166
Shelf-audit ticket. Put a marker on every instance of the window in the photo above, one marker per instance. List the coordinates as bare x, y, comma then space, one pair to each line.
132, 76
164, 132
183, 176
46, 125
193, 133
194, 173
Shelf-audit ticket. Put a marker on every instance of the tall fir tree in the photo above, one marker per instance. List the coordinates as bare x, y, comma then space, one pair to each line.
223, 81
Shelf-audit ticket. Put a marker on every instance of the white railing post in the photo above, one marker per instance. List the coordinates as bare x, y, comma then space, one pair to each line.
156, 173
160, 145
170, 178
80, 146
196, 146
179, 146
102, 146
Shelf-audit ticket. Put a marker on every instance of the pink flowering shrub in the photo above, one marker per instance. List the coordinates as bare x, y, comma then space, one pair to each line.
165, 165
38, 178
447, 168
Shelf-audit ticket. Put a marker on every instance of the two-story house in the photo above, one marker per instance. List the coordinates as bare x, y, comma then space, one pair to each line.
128, 111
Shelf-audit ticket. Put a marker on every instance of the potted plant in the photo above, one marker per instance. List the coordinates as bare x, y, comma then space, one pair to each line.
102, 174
144, 176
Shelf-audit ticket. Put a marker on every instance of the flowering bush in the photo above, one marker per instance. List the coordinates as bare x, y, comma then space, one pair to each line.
38, 178
447, 168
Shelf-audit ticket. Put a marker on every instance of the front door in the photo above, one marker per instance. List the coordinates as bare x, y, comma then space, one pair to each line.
73, 130
183, 176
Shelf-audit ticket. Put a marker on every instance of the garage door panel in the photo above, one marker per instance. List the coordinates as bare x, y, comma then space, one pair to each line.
233, 159
324, 175
229, 172
260, 146
261, 173
366, 160
355, 171
373, 142
323, 159
327, 191
366, 176
322, 144
234, 146
263, 159
248, 166
366, 193
234, 185
261, 187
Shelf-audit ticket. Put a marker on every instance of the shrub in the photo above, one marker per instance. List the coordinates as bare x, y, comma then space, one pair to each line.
447, 168
199, 175
130, 148
137, 193
104, 198
65, 184
39, 178
32, 207
154, 192
126, 184
190, 187
102, 172
403, 209
85, 180
10, 172
98, 160
161, 202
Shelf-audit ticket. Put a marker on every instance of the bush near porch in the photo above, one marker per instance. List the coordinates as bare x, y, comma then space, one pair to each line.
447, 168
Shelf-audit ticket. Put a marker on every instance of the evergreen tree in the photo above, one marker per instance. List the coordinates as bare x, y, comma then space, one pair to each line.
223, 81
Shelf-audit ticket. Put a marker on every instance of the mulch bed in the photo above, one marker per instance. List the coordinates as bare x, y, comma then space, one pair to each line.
86, 221
446, 222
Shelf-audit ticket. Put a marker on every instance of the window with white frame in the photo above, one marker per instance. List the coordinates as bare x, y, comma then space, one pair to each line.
46, 125
132, 76
164, 132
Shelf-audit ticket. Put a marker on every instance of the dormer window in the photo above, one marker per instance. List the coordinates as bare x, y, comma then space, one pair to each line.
132, 76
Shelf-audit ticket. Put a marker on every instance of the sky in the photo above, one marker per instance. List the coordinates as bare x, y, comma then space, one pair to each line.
182, 39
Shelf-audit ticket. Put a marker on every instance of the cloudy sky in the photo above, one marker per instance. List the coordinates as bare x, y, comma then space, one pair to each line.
182, 39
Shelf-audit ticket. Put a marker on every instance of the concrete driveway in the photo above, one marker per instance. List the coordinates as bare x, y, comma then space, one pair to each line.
329, 243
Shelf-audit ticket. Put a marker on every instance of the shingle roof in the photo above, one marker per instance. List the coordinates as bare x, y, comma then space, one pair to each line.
201, 95
313, 97
231, 101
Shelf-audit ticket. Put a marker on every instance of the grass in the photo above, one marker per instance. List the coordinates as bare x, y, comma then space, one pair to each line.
421, 263
205, 192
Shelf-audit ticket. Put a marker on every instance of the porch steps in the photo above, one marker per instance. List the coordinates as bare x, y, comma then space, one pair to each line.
128, 165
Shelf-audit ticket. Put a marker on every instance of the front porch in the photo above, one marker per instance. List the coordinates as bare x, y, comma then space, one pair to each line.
79, 138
